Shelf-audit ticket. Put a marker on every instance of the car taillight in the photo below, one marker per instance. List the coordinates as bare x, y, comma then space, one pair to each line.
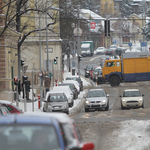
105, 52
18, 112
102, 58
111, 51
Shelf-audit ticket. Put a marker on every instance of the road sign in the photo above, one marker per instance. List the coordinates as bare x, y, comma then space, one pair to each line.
73, 52
143, 44
130, 44
93, 25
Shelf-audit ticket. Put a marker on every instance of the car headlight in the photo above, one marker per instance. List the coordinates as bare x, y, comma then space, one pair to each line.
103, 101
140, 100
123, 100
88, 51
64, 107
87, 102
50, 108
87, 71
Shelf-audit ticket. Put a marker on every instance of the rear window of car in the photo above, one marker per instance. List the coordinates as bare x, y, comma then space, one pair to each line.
57, 98
28, 137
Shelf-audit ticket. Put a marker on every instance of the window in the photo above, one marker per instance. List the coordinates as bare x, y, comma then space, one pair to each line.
110, 64
117, 63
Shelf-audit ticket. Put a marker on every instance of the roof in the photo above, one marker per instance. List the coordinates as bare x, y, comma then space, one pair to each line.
85, 45
95, 89
131, 90
26, 118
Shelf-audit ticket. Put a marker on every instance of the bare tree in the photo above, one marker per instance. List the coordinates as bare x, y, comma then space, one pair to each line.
14, 10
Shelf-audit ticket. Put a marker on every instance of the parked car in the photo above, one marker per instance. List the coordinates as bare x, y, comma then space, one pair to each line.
39, 131
87, 70
72, 87
110, 51
100, 50
11, 107
95, 72
76, 78
76, 84
56, 102
132, 98
96, 99
91, 71
3, 111
66, 90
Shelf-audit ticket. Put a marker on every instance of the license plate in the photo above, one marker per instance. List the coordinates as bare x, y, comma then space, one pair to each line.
56, 108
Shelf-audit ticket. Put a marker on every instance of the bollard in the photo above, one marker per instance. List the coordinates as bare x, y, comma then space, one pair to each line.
39, 96
56, 82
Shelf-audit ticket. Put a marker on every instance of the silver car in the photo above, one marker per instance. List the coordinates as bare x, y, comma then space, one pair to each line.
96, 99
132, 98
56, 102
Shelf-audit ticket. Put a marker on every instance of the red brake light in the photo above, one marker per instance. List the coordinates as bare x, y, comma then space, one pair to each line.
18, 112
88, 146
111, 51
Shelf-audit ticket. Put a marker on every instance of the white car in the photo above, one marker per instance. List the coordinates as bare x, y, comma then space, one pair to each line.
132, 98
100, 50
76, 84
66, 90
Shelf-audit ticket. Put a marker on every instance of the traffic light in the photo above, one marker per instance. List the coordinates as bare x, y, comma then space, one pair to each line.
79, 58
28, 86
16, 81
22, 62
107, 27
55, 61
25, 78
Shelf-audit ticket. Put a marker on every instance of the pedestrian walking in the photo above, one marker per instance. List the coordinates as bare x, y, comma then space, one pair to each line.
50, 76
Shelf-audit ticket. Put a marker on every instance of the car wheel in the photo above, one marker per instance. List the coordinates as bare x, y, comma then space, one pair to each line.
107, 107
72, 103
44, 110
122, 106
86, 109
143, 105
114, 81
67, 112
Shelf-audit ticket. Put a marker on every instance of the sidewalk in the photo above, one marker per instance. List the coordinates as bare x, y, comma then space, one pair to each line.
32, 106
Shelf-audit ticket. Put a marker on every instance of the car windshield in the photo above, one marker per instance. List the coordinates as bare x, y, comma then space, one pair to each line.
131, 94
96, 70
88, 67
57, 98
28, 137
96, 94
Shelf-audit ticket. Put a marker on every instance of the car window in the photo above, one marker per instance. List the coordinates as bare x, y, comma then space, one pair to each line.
56, 98
68, 133
131, 94
28, 137
96, 94
9, 108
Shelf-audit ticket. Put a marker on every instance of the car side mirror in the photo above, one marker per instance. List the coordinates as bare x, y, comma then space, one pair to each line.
120, 96
45, 101
142, 94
